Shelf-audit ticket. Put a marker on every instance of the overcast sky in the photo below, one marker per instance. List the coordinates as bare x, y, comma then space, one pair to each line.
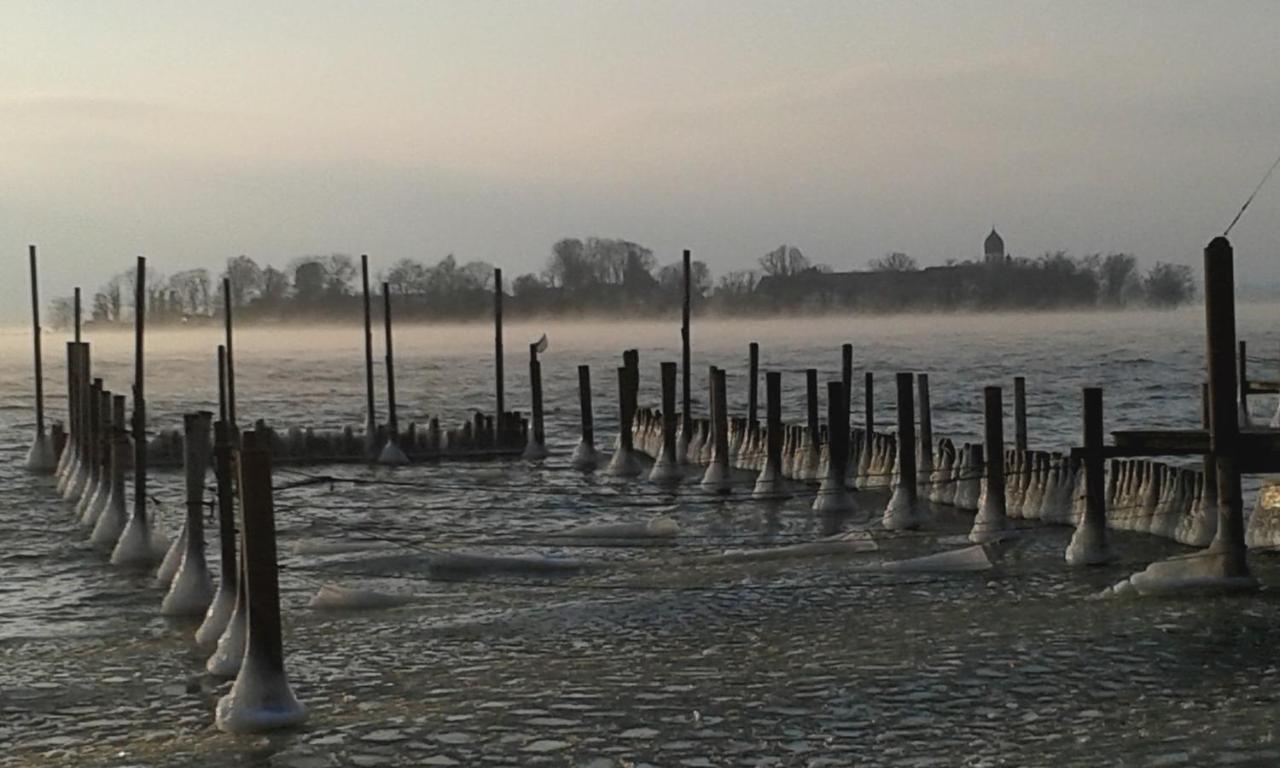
194, 131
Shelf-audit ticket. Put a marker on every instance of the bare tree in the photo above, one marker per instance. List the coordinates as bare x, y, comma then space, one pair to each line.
894, 262
246, 279
784, 260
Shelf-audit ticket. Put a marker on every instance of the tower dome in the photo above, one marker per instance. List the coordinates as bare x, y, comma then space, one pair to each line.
993, 246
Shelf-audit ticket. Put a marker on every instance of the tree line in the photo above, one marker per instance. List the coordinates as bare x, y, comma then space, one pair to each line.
605, 275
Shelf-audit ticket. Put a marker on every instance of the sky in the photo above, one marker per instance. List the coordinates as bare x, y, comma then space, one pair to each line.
190, 132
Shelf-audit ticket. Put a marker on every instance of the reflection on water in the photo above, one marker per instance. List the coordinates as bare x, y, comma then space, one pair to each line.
665, 655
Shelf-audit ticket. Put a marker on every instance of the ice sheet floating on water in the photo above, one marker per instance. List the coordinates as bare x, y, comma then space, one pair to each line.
333, 597
979, 557
330, 547
462, 565
658, 527
1196, 572
856, 542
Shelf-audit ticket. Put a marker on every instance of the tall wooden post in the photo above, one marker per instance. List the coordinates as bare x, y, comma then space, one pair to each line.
991, 519
811, 407
222, 384
869, 410
537, 446
370, 403
215, 621
846, 376
1243, 383
393, 424
1020, 413
500, 395
260, 699
1089, 542
753, 383
76, 304
665, 467
686, 370
925, 454
773, 438
584, 401
833, 496
231, 366
35, 330
1224, 426
139, 392
903, 511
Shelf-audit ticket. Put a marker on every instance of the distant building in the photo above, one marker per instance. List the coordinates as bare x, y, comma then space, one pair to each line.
993, 248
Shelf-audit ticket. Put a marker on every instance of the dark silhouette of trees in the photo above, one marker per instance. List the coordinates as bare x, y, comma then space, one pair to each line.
784, 260
894, 262
1168, 285
619, 277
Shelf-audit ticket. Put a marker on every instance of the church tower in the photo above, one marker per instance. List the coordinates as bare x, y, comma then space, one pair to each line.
993, 248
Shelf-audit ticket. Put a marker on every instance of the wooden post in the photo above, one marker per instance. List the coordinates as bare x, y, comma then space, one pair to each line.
1224, 426
669, 411
191, 591
76, 305
68, 449
686, 364
869, 409
1243, 384
139, 392
924, 461
810, 380
537, 447
625, 412
1020, 413
773, 393
903, 511
1089, 542
393, 424
222, 384
846, 376
832, 496
219, 614
991, 519
717, 478
753, 383
370, 404
35, 330
584, 402
500, 399
231, 366
260, 699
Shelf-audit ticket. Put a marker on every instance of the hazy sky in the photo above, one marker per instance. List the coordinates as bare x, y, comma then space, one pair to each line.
193, 131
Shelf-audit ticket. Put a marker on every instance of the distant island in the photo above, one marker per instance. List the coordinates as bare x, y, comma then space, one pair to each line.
604, 276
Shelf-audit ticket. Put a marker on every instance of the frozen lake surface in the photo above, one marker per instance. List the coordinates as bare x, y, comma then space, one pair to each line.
660, 657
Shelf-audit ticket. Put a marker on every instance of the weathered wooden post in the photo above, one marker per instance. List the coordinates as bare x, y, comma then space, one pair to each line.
41, 457
222, 383
392, 454
769, 481
686, 370
1089, 542
924, 460
1020, 413
98, 492
869, 435
92, 456
833, 496
79, 360
665, 468
191, 590
812, 449
370, 403
260, 699
1243, 385
1224, 427
717, 478
78, 477
624, 463
68, 449
585, 456
753, 383
220, 609
536, 447
231, 365
114, 514
504, 429
991, 521
904, 510
136, 546
846, 375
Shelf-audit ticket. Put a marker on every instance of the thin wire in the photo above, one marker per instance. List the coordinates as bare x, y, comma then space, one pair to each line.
1256, 189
